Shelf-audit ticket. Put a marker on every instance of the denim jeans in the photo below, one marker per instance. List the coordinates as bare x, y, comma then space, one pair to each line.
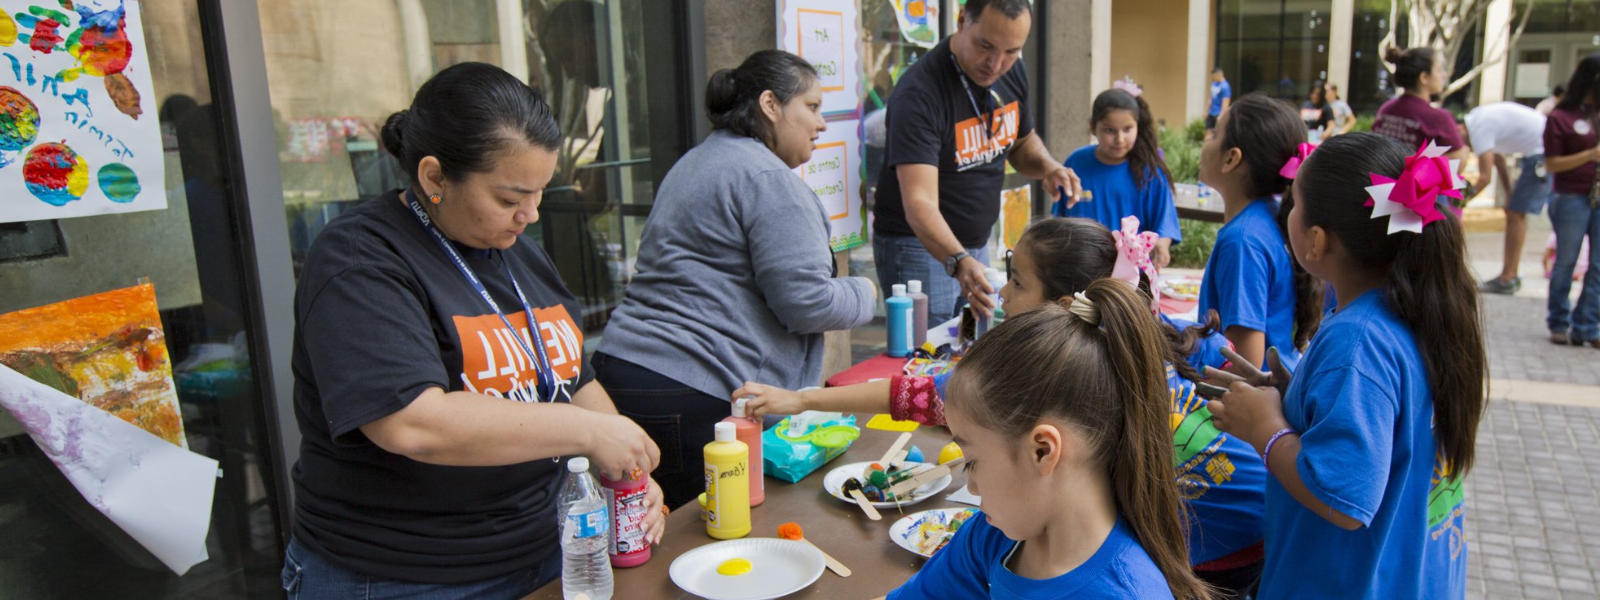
1573, 217
902, 259
309, 575
681, 420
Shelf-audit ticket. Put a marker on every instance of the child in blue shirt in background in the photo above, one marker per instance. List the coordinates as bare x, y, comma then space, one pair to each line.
1062, 414
1370, 444
1265, 300
1220, 477
1123, 174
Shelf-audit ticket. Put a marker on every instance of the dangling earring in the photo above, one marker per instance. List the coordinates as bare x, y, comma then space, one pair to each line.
434, 198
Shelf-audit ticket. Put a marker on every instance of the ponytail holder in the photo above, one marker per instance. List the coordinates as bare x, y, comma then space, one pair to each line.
1133, 258
1412, 201
1292, 166
1126, 84
1084, 309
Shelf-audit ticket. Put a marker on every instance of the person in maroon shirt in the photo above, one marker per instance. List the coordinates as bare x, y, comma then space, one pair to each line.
1411, 117
1571, 154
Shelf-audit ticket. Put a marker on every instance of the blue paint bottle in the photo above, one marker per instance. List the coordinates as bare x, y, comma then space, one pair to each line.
899, 306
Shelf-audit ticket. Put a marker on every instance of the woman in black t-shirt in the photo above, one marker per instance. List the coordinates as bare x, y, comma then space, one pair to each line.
438, 363
1317, 113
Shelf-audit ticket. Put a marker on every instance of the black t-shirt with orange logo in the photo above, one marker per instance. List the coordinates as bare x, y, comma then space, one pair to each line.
932, 121
382, 315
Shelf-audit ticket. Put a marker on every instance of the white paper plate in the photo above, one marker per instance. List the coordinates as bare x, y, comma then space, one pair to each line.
834, 483
1168, 287
777, 568
904, 532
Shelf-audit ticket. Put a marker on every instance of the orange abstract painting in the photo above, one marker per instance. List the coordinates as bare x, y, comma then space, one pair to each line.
107, 350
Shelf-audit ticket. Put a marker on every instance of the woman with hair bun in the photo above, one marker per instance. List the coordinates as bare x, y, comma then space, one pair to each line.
1411, 117
735, 277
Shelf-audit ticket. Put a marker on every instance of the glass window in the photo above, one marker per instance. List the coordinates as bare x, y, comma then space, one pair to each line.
53, 544
611, 70
1277, 47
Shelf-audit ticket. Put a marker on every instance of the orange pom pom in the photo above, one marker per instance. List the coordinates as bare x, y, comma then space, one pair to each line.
790, 531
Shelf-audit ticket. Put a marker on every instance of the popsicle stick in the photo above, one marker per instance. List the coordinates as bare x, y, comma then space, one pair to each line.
866, 505
923, 478
894, 450
899, 459
834, 565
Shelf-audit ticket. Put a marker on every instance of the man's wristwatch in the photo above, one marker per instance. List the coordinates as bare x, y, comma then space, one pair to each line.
954, 260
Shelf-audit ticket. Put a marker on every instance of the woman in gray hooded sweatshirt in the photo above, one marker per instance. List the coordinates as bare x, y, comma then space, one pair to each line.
735, 278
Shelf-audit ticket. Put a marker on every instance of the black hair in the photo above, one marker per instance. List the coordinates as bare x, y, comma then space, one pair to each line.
1426, 278
1559, 90
733, 96
465, 116
1010, 8
1409, 65
1216, 69
1268, 133
1584, 86
1318, 89
1144, 162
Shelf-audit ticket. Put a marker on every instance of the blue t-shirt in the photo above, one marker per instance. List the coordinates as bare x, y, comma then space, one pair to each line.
1364, 409
973, 565
1220, 90
1250, 278
1110, 194
1219, 475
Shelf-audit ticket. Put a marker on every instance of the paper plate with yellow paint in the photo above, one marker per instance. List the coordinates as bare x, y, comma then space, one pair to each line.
747, 569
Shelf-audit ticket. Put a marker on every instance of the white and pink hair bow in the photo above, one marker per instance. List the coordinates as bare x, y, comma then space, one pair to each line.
1412, 201
1133, 258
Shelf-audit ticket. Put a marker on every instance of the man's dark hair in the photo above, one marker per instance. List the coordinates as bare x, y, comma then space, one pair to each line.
1217, 69
1010, 8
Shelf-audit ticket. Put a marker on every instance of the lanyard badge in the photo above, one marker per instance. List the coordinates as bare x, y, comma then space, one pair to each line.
548, 386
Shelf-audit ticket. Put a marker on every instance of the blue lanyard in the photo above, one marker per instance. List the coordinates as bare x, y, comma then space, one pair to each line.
547, 377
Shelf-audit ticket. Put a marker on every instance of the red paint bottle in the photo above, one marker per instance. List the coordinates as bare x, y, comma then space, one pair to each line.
628, 547
749, 432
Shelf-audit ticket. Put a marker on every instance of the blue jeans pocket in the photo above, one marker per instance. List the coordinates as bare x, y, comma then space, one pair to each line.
291, 575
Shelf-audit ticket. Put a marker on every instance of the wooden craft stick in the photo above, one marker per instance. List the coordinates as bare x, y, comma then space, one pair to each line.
894, 450
834, 565
866, 505
899, 459
920, 479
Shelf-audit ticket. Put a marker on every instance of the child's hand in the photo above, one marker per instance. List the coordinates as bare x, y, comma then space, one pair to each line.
1249, 413
1251, 375
768, 400
1161, 254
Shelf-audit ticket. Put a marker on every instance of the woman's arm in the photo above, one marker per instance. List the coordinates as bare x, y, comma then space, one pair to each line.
786, 237
1562, 164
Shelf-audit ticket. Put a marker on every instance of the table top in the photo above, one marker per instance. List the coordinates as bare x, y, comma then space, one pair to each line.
840, 529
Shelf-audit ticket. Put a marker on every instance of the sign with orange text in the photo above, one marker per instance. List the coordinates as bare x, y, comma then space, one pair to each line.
834, 173
826, 33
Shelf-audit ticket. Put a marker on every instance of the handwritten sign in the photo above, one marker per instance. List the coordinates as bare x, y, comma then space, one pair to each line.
1016, 211
834, 174
826, 34
78, 130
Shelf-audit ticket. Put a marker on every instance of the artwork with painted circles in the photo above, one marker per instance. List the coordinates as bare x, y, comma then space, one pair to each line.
747, 569
838, 483
927, 532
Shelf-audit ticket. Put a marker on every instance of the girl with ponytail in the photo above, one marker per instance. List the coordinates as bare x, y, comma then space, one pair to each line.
1123, 173
1369, 447
1265, 300
1061, 412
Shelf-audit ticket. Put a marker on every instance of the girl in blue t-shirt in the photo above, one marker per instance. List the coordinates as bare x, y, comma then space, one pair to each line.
1265, 300
1123, 173
1062, 415
1369, 446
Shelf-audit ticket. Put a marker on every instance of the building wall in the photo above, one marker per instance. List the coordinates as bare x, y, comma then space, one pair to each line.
1149, 42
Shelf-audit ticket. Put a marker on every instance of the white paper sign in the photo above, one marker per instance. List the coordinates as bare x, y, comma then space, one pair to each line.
157, 492
826, 33
78, 130
1533, 80
834, 174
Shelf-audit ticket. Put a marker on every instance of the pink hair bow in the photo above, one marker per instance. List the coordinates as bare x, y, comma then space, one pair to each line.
1126, 84
1412, 201
1133, 258
1291, 167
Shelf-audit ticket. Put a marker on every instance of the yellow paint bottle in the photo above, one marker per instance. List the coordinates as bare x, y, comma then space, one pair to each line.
727, 508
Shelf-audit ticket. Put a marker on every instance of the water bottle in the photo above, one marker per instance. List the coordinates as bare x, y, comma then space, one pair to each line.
585, 536
900, 325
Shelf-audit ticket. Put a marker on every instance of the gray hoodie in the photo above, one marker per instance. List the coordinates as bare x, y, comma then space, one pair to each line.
735, 278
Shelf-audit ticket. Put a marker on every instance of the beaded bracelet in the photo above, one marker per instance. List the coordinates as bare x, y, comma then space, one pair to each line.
1266, 455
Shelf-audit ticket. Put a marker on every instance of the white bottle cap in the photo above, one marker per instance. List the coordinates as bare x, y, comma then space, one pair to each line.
899, 289
726, 432
578, 464
914, 286
738, 407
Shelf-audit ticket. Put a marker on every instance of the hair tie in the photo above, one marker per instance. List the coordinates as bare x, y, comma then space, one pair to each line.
1084, 309
1126, 84
1133, 258
1291, 167
1412, 201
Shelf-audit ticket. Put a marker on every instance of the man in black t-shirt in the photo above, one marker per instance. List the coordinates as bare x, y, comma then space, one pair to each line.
956, 117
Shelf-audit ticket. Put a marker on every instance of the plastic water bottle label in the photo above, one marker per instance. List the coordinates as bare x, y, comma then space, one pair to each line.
587, 525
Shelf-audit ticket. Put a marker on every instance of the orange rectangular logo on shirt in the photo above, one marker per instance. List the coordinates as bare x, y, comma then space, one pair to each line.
493, 363
976, 147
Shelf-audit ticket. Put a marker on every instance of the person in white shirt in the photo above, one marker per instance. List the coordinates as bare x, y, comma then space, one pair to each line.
1344, 117
1496, 131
